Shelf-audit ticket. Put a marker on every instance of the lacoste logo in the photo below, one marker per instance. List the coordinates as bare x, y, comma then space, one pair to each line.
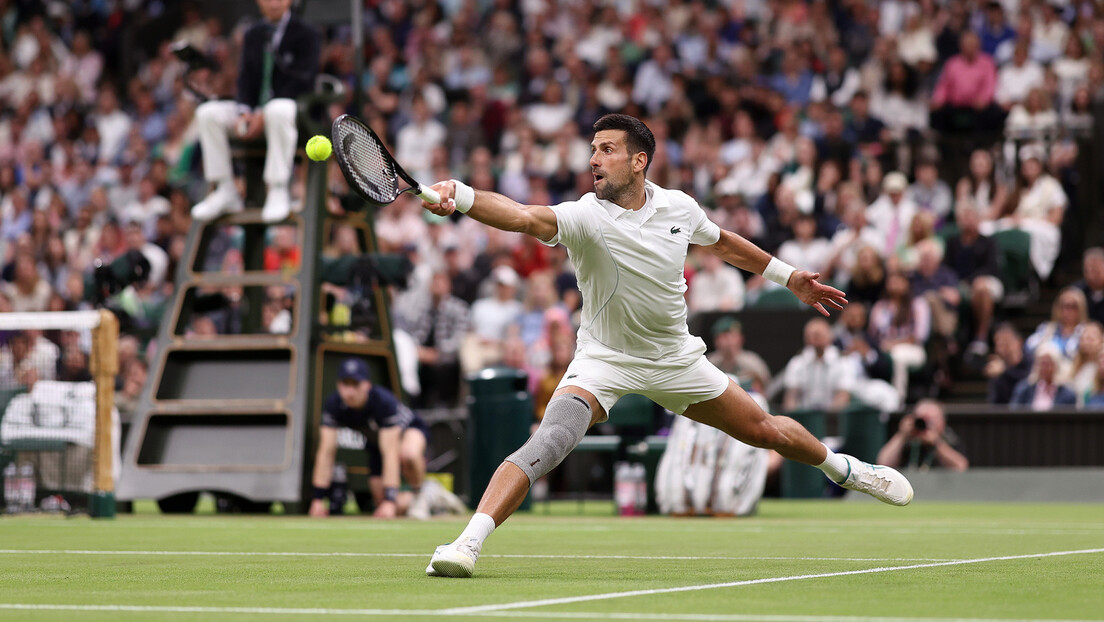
675, 230
533, 463
570, 376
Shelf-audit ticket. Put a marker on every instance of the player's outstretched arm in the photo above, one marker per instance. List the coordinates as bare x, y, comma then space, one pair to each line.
741, 253
496, 210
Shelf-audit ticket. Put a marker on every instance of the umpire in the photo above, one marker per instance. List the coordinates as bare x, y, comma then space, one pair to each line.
279, 62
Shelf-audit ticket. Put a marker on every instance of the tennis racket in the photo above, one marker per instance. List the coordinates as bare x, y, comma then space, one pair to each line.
369, 168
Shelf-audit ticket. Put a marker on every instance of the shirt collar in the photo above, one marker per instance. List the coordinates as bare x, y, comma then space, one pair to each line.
655, 198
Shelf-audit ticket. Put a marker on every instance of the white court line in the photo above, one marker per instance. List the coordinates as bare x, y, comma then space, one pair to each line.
710, 586
565, 615
504, 556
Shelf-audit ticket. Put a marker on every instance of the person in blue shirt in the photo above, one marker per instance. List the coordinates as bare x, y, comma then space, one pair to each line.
396, 444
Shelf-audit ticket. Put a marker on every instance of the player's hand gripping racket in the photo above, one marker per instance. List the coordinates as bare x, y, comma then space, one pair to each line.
368, 167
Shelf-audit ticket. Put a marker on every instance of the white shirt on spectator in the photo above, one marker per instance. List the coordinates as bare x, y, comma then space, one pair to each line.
812, 255
113, 129
891, 221
491, 317
818, 379
1014, 83
414, 145
719, 290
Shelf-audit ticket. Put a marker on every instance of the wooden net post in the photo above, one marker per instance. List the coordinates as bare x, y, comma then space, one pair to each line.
104, 365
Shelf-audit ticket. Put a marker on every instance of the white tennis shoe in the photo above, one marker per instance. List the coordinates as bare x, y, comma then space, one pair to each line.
224, 199
456, 560
881, 482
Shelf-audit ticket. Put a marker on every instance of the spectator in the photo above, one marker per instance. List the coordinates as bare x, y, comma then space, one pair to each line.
279, 61
1034, 117
938, 285
1068, 316
853, 234
900, 324
892, 213
716, 286
1008, 364
897, 101
868, 277
815, 377
438, 322
1018, 78
1096, 399
1092, 282
852, 338
491, 318
1038, 211
981, 186
805, 248
1042, 390
28, 291
931, 194
996, 29
730, 356
923, 440
973, 258
416, 141
1082, 369
838, 82
652, 86
963, 96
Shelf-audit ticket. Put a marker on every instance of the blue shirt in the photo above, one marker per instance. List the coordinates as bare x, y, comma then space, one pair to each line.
381, 410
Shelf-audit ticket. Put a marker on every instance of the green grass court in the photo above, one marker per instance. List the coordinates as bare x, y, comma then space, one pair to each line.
927, 561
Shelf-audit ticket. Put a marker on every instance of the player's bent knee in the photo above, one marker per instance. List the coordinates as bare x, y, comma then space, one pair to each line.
566, 420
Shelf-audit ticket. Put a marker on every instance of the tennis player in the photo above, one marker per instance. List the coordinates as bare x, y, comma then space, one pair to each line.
628, 241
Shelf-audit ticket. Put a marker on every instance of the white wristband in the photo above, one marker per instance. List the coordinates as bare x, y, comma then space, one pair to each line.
465, 196
778, 271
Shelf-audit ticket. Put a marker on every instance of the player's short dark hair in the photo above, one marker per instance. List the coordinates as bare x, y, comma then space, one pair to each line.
637, 135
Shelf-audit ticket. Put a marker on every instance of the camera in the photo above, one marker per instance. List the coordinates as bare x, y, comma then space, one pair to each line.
920, 424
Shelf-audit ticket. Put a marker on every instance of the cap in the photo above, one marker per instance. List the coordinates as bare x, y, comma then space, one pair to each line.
894, 182
725, 324
505, 275
353, 369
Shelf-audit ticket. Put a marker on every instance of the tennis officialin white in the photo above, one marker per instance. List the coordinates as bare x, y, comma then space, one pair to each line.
881, 482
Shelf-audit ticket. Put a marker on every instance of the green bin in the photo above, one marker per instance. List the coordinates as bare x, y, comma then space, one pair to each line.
865, 432
500, 411
801, 480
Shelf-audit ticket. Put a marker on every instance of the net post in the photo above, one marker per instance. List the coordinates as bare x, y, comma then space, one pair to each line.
104, 366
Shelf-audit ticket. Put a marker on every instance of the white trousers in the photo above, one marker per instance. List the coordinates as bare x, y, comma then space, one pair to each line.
216, 119
906, 356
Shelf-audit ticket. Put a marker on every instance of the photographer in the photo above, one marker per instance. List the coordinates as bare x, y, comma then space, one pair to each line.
923, 440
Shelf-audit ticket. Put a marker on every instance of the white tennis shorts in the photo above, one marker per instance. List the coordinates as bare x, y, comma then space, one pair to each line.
674, 387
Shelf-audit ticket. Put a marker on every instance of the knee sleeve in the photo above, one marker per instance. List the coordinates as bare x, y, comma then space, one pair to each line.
565, 422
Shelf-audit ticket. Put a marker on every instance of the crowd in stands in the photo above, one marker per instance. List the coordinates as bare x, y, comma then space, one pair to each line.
890, 146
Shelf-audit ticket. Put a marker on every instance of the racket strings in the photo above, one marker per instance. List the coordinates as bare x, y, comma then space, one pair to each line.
371, 170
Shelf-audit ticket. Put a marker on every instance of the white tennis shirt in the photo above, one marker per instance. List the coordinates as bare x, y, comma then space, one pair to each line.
630, 270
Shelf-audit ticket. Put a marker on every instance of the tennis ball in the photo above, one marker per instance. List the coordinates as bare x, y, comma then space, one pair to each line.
319, 148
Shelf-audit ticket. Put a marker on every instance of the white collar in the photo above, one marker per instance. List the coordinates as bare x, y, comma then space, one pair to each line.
654, 198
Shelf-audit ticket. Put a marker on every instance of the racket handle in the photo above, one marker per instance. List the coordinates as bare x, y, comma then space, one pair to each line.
428, 194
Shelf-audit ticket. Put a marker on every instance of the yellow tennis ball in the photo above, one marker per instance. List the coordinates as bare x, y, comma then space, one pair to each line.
319, 148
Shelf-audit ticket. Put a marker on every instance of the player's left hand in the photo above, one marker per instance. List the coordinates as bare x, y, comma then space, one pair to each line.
812, 292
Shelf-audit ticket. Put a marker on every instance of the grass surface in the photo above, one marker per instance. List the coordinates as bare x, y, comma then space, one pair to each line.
357, 567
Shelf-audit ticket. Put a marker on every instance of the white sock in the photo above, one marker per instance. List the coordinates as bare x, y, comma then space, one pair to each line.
479, 527
834, 466
227, 185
